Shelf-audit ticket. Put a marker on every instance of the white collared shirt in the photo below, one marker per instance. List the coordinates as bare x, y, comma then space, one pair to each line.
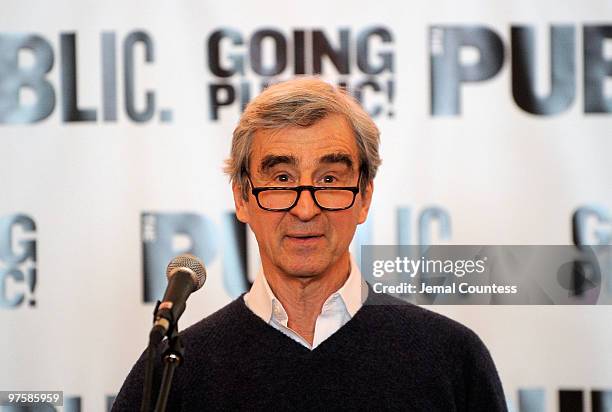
338, 309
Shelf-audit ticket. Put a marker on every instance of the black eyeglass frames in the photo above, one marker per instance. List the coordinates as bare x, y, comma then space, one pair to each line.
282, 199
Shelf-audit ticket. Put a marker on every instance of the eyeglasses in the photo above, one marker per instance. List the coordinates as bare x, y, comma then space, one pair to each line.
283, 199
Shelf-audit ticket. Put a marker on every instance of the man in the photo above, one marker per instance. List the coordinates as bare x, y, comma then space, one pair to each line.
310, 334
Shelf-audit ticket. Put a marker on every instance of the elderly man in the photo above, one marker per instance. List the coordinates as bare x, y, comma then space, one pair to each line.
310, 334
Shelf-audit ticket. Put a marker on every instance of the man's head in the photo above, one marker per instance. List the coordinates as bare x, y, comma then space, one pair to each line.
303, 132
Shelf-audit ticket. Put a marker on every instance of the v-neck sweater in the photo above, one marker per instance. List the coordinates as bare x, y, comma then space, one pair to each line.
391, 355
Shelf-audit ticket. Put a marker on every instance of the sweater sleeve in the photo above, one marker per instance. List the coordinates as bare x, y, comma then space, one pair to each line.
483, 389
129, 397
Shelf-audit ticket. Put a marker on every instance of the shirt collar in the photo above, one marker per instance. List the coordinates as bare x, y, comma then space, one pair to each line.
261, 300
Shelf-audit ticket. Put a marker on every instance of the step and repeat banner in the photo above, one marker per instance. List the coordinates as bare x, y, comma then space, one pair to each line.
116, 117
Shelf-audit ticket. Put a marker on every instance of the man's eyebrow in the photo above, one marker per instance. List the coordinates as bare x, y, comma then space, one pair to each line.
269, 161
337, 158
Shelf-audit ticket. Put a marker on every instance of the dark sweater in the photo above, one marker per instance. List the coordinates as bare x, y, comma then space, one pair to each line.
387, 357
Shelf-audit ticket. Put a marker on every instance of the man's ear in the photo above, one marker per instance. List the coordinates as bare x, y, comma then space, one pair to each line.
366, 200
242, 211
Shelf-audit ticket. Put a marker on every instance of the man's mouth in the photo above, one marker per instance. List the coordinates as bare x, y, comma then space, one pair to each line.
304, 238
304, 235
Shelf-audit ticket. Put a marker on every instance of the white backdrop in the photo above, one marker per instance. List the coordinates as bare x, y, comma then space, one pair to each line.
500, 174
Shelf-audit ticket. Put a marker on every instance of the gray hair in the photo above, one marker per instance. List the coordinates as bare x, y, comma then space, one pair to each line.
301, 102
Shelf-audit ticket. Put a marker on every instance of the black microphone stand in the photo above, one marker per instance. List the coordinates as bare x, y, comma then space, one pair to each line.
172, 357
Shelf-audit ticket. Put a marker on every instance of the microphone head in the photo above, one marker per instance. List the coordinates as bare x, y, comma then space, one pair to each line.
192, 265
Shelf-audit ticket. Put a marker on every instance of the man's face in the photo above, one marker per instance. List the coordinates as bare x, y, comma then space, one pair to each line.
304, 241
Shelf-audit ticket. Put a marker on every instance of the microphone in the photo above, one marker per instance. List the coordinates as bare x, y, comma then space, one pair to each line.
186, 274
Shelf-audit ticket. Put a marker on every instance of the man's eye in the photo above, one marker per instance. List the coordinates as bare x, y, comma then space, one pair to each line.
282, 178
329, 179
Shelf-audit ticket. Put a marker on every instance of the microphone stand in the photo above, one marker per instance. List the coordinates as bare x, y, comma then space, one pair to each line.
173, 357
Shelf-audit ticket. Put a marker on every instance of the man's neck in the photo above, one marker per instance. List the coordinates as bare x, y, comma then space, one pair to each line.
303, 298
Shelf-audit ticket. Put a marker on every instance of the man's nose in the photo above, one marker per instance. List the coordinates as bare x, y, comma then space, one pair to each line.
305, 208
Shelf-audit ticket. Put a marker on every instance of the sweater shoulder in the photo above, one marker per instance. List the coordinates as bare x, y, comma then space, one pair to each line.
450, 347
225, 319
410, 320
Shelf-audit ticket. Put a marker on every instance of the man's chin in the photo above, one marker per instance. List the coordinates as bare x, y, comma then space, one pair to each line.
302, 266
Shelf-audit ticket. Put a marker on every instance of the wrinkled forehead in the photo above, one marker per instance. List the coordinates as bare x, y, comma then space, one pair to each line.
329, 141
